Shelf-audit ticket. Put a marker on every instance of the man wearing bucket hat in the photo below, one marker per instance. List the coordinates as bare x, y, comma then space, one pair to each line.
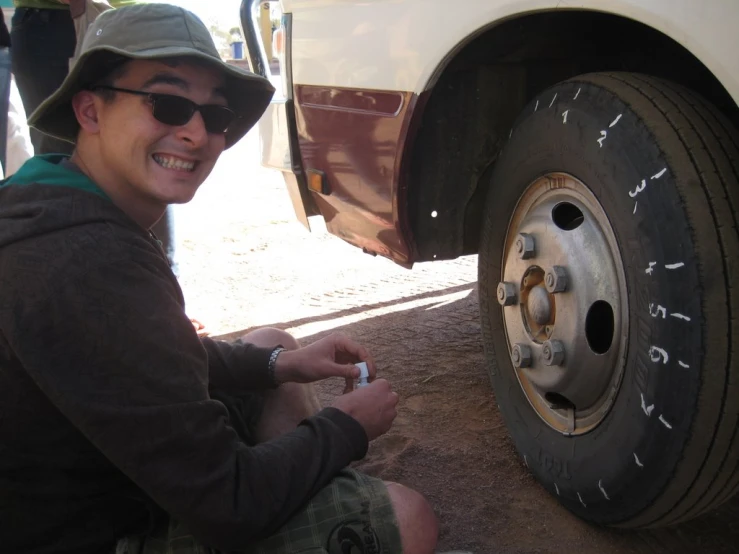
120, 429
44, 35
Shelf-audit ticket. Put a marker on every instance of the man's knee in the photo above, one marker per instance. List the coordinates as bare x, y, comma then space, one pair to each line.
284, 408
270, 336
419, 528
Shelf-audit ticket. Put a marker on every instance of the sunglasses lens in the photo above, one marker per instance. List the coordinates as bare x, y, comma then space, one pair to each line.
176, 110
173, 110
217, 118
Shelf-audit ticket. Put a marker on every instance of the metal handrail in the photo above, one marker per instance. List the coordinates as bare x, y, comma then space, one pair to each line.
257, 55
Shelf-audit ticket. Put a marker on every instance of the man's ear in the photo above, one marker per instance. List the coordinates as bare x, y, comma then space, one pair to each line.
85, 105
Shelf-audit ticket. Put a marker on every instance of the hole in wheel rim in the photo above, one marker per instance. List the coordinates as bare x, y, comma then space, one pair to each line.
599, 327
567, 216
559, 402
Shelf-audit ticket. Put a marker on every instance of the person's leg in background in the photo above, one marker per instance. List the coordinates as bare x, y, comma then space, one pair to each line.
19, 147
42, 41
15, 141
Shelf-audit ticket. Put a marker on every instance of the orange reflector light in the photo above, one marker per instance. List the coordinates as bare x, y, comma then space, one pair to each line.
278, 42
317, 182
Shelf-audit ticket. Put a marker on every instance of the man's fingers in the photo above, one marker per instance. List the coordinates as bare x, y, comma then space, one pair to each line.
343, 344
347, 351
351, 371
364, 356
371, 367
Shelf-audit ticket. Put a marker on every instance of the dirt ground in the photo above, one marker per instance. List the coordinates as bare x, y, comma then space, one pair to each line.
247, 263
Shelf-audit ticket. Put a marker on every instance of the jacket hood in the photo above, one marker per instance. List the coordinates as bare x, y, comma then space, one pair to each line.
45, 197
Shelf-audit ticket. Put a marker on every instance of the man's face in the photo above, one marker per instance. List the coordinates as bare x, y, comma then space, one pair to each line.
150, 160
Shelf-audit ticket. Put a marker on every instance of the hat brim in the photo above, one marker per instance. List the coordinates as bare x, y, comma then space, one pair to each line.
248, 94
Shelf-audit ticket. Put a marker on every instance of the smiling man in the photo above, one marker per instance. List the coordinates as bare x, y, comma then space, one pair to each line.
120, 429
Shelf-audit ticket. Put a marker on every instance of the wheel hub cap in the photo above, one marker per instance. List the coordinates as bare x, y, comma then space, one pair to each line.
538, 306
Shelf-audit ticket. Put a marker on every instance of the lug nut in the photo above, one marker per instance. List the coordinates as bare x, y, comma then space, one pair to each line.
525, 246
556, 279
553, 352
506, 294
521, 355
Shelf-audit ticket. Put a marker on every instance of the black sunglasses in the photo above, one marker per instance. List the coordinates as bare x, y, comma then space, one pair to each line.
176, 110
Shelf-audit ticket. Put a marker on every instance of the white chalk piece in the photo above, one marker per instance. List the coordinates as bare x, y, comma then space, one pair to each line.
363, 374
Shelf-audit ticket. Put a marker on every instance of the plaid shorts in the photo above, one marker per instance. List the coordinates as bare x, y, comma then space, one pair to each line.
351, 515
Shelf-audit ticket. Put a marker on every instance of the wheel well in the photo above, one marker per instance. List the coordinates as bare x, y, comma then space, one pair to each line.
464, 120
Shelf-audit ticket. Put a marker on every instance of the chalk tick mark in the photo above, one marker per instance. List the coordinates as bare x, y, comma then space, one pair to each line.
658, 175
647, 409
674, 266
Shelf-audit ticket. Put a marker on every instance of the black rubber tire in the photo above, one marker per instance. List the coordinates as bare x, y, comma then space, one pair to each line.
689, 215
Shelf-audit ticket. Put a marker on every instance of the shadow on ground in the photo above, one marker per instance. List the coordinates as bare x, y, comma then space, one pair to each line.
450, 442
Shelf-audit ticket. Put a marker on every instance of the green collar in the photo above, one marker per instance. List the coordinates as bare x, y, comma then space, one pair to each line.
47, 169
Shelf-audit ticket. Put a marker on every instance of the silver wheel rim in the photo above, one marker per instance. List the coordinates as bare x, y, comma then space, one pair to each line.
564, 302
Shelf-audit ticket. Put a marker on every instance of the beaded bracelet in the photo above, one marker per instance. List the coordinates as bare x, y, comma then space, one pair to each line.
273, 363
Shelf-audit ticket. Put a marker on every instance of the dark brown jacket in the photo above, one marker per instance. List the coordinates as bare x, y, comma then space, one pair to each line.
107, 417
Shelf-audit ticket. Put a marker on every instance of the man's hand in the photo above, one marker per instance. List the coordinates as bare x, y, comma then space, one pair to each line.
332, 356
373, 406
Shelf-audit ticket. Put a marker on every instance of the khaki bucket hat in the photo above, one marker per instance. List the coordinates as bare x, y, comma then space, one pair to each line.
150, 32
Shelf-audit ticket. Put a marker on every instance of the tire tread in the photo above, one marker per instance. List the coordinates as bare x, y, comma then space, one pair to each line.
712, 145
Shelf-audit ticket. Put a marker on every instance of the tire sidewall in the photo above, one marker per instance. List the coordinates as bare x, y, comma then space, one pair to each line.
597, 474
